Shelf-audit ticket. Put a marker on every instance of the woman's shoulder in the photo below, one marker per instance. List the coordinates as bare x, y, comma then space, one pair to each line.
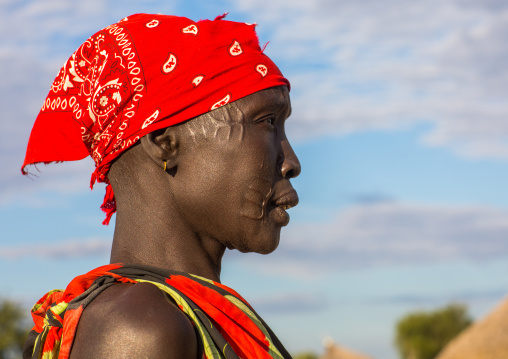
134, 320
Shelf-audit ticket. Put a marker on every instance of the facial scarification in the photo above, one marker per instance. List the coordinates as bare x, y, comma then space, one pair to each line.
234, 169
227, 125
219, 125
256, 199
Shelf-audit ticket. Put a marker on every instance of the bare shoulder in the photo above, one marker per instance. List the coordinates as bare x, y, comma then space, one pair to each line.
134, 321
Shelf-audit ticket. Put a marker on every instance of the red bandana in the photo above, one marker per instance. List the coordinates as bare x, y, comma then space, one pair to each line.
139, 75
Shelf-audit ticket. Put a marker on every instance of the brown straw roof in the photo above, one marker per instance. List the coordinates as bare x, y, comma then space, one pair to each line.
485, 339
333, 351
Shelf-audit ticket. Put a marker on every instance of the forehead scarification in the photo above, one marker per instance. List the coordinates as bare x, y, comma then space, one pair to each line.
227, 123
223, 124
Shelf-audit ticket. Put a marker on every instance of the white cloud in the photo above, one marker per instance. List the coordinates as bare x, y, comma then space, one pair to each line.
73, 248
361, 236
66, 177
384, 64
436, 299
290, 303
388, 234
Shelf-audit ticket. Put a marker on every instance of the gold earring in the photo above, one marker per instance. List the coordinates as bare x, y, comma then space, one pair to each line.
165, 165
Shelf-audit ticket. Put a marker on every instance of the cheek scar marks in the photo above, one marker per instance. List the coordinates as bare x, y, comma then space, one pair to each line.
256, 199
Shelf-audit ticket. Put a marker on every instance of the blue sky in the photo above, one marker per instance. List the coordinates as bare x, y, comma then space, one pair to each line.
399, 120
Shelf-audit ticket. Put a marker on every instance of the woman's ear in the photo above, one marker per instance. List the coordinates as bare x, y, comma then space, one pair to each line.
161, 146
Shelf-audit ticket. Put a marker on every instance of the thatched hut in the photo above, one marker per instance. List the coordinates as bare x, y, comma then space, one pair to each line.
333, 351
485, 339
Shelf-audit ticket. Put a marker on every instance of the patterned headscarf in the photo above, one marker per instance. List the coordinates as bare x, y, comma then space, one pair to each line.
139, 75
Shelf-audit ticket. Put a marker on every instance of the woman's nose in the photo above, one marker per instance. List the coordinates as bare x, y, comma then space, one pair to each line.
290, 165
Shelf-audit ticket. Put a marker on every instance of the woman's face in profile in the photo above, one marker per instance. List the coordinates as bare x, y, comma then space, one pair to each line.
233, 184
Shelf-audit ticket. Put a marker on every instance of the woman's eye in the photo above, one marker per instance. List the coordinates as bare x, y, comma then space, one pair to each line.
270, 120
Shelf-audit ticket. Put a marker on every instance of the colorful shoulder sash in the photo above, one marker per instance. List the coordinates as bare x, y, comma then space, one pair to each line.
233, 329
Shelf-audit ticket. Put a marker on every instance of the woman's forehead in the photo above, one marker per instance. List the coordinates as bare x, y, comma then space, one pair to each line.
272, 99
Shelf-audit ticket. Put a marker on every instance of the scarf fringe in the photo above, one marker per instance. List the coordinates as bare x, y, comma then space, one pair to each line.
109, 204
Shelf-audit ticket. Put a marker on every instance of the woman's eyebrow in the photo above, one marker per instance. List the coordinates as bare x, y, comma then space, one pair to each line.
279, 105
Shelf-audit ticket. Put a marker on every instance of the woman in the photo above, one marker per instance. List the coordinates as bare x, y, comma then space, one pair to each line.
185, 122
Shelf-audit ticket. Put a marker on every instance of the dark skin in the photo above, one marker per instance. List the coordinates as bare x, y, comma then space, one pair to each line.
226, 185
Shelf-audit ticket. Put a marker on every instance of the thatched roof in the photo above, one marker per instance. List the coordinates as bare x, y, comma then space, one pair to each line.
333, 351
485, 339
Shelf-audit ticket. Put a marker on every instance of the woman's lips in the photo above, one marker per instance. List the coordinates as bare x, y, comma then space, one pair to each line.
280, 216
287, 200
283, 202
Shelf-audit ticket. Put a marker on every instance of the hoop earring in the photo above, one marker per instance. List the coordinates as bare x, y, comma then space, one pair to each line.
165, 166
